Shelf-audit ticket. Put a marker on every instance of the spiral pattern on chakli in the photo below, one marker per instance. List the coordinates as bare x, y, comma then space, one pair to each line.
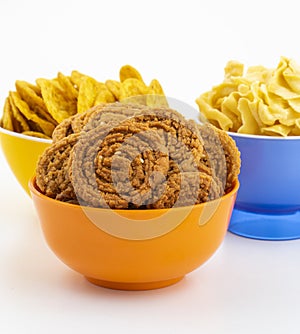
132, 156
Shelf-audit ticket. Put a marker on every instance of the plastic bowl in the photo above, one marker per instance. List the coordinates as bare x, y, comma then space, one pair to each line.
21, 153
133, 249
268, 201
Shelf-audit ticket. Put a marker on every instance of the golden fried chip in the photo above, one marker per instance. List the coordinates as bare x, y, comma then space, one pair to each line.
132, 87
229, 108
282, 91
291, 75
35, 134
68, 87
278, 84
88, 91
296, 129
129, 72
258, 73
213, 115
40, 108
277, 130
155, 88
156, 96
7, 117
35, 88
114, 87
294, 104
76, 78
226, 88
34, 101
20, 123
156, 101
46, 126
249, 121
263, 101
233, 69
58, 104
104, 95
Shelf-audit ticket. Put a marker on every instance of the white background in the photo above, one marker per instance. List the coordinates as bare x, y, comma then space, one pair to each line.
248, 286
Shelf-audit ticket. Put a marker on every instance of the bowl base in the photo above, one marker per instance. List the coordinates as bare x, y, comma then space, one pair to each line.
134, 285
265, 226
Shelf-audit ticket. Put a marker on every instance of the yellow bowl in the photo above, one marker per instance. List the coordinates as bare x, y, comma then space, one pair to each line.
133, 249
21, 153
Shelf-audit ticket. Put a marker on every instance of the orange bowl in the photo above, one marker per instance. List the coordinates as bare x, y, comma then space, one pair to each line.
133, 249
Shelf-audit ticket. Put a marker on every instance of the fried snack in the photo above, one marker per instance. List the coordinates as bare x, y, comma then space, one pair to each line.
132, 87
53, 172
88, 90
104, 95
67, 85
32, 107
133, 156
129, 72
99, 115
133, 170
7, 118
262, 101
220, 154
77, 77
156, 96
114, 87
20, 123
59, 105
24, 109
32, 96
72, 124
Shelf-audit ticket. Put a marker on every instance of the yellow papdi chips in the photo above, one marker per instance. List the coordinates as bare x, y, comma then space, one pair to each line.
261, 101
36, 109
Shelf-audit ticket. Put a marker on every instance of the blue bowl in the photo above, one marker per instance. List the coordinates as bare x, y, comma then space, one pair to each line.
268, 201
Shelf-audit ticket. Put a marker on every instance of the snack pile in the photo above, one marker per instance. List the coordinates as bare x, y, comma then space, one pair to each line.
122, 155
261, 101
36, 109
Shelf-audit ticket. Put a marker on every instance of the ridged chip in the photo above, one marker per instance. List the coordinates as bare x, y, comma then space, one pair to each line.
114, 87
67, 85
30, 95
88, 91
156, 96
24, 109
58, 104
7, 118
132, 87
36, 109
129, 72
19, 121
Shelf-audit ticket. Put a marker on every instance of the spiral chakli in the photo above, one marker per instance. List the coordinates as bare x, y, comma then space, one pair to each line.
132, 156
52, 173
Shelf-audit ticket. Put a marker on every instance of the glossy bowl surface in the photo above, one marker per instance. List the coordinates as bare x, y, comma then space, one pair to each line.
268, 200
270, 173
21, 153
133, 249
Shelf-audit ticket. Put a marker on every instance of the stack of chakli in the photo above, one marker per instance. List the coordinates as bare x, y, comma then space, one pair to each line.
129, 156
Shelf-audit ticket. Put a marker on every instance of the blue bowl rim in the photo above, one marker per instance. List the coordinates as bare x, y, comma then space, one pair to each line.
263, 137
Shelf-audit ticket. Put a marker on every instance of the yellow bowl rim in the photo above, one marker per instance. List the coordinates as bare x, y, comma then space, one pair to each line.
20, 135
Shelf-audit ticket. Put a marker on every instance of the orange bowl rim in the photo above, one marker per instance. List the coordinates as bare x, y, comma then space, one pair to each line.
35, 190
